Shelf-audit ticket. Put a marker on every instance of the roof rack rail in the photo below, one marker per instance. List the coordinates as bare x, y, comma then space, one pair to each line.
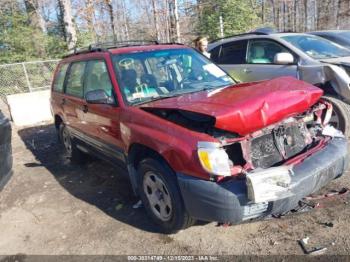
116, 44
104, 46
243, 34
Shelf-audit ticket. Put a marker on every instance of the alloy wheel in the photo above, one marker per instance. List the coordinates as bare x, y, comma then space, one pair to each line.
158, 196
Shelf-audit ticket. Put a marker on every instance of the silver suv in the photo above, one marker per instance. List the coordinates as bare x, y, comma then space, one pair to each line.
258, 56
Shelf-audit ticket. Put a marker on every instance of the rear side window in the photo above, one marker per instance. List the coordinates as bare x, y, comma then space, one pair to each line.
97, 77
233, 53
215, 54
60, 76
75, 79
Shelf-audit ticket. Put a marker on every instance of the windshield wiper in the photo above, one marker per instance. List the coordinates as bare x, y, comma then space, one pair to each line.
155, 98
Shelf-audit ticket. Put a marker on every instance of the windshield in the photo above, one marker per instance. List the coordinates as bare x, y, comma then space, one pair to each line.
317, 47
146, 76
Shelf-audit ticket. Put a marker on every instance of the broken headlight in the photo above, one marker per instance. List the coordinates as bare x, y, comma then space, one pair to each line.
214, 158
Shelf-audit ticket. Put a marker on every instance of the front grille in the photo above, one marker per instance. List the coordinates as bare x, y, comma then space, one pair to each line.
282, 143
297, 141
264, 152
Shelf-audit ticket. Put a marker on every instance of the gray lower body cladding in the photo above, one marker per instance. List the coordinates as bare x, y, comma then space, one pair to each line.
228, 201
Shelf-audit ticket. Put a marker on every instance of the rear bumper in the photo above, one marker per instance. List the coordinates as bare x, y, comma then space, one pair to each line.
228, 201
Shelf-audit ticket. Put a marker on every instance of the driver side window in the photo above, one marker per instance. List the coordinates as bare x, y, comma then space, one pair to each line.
97, 77
264, 51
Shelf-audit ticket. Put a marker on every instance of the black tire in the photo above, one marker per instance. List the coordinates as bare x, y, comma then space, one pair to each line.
178, 218
341, 111
72, 152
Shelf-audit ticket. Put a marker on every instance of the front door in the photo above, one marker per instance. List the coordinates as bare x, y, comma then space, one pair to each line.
232, 58
260, 61
102, 120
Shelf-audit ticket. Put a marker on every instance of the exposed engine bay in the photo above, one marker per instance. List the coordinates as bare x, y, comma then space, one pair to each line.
281, 142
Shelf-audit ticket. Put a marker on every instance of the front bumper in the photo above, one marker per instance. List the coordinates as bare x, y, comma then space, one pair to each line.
228, 201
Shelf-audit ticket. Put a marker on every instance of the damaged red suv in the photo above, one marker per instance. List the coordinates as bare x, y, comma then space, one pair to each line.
195, 144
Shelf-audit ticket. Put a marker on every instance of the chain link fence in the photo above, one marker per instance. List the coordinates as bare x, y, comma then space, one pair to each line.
26, 77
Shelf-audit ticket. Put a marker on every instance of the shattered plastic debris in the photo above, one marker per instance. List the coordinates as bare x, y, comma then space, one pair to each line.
225, 225
273, 243
330, 194
328, 224
332, 132
118, 207
314, 251
137, 205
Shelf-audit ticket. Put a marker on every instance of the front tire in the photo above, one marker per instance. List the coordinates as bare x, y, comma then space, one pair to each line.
161, 196
341, 115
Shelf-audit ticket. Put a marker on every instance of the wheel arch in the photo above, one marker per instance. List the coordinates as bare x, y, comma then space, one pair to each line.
136, 153
58, 120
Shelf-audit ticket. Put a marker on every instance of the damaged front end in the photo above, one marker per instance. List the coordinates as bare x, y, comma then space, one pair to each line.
278, 144
270, 170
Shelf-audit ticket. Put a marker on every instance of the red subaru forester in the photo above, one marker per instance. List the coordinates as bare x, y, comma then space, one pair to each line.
196, 144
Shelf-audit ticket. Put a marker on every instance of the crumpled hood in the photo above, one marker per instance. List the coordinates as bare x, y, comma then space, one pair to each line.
247, 107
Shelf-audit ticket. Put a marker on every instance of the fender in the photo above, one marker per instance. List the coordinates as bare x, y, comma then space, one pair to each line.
321, 74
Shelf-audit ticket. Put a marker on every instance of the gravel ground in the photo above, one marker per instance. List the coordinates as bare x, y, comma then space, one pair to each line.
51, 206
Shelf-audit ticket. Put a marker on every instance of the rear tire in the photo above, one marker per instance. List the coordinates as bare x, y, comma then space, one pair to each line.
161, 196
69, 145
341, 114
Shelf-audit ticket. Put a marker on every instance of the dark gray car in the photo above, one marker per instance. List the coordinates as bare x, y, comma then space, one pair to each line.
260, 56
5, 150
341, 37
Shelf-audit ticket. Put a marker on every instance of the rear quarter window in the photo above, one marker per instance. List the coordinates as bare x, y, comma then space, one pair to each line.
59, 79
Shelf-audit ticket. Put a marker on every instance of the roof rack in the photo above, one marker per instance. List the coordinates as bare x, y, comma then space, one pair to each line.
244, 34
116, 44
104, 46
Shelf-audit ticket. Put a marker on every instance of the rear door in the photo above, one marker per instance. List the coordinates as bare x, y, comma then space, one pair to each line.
232, 58
73, 101
260, 61
57, 95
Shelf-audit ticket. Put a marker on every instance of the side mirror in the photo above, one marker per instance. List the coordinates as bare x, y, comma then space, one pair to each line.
98, 96
283, 59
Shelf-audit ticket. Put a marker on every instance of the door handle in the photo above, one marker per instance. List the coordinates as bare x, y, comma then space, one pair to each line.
85, 108
247, 70
63, 101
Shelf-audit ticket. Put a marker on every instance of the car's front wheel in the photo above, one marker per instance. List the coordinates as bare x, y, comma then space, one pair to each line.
161, 197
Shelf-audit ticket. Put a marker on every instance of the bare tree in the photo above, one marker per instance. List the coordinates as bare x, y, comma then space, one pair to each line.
125, 22
155, 16
111, 17
167, 21
35, 17
263, 11
70, 33
174, 21
89, 16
